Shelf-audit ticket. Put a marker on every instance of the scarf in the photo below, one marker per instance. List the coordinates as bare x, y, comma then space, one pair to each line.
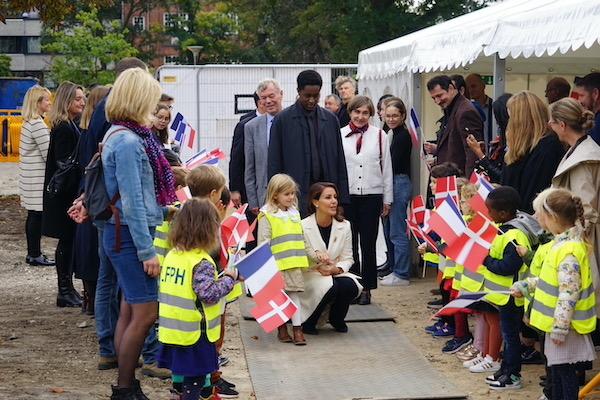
164, 181
354, 129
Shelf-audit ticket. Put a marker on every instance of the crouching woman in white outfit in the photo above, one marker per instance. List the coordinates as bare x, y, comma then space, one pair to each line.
327, 283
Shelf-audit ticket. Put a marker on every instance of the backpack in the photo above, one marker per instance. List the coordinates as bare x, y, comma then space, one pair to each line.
97, 203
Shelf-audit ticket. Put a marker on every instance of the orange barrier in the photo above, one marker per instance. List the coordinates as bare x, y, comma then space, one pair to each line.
590, 389
10, 132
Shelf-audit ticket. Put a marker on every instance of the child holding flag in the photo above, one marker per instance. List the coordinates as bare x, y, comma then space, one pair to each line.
563, 304
192, 298
280, 223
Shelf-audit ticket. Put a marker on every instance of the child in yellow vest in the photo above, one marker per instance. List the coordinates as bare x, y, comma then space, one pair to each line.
192, 299
280, 223
563, 294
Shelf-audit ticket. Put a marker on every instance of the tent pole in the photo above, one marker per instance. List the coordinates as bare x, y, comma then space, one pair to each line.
499, 82
416, 162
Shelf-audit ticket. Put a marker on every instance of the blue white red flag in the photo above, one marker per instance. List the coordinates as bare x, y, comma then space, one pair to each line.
447, 221
204, 158
261, 275
414, 128
461, 304
185, 135
477, 202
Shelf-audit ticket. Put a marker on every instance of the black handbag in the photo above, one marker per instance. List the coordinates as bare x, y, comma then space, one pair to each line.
67, 174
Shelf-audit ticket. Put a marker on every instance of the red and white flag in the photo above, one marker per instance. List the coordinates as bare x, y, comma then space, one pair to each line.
211, 158
183, 194
447, 221
275, 312
445, 187
476, 176
235, 228
477, 202
473, 245
418, 209
421, 236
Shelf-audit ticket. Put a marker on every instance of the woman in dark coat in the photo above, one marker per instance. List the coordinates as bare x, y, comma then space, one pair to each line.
68, 104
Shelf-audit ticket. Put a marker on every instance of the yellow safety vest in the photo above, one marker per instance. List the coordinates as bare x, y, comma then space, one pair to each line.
546, 293
457, 280
287, 242
472, 282
181, 316
494, 282
431, 258
161, 244
449, 266
534, 270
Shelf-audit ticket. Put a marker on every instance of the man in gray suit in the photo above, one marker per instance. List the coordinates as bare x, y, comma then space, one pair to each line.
256, 143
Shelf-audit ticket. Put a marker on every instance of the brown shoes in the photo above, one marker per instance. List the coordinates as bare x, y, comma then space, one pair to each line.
283, 335
299, 336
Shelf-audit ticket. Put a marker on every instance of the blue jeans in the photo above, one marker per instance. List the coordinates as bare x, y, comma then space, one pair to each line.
107, 309
510, 326
397, 225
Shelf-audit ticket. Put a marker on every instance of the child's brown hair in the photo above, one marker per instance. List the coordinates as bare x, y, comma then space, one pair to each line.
204, 179
565, 207
196, 226
180, 174
446, 169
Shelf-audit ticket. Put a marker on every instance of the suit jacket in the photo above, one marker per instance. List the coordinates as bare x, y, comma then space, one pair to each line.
236, 159
255, 154
249, 114
289, 151
339, 249
461, 120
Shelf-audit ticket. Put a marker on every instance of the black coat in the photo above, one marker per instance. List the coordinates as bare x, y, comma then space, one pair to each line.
343, 115
237, 159
55, 221
289, 151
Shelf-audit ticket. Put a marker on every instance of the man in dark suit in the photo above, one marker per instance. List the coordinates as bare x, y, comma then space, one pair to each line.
461, 119
306, 142
237, 160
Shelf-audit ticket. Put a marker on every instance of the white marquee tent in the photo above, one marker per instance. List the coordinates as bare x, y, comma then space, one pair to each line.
550, 37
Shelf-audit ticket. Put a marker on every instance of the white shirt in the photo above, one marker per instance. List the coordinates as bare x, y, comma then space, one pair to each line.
365, 175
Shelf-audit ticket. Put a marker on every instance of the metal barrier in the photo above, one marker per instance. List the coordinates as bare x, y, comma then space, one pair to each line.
10, 133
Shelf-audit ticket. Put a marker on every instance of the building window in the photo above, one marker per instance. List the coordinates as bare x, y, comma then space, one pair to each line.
171, 59
139, 24
11, 45
34, 45
176, 20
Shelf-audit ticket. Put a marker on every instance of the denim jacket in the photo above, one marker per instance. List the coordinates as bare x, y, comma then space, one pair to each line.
127, 170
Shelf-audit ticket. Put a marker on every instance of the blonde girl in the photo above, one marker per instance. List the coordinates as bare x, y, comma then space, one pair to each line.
280, 223
563, 294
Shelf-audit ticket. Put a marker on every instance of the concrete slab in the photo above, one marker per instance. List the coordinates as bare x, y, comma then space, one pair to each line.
372, 361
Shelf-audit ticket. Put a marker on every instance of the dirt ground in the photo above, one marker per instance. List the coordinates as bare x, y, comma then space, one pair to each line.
46, 354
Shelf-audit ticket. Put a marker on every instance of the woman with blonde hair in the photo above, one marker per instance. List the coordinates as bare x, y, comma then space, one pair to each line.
533, 152
67, 107
140, 180
33, 150
96, 95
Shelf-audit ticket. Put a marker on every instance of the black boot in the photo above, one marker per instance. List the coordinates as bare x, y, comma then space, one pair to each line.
89, 294
65, 297
123, 394
137, 391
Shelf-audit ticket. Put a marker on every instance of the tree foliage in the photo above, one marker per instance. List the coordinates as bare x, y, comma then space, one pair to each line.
5, 65
84, 52
53, 13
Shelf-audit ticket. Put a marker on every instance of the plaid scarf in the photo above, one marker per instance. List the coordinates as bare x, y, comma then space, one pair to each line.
360, 131
164, 181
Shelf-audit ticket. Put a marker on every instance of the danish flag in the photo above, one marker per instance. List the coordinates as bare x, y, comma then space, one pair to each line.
183, 194
417, 206
275, 312
235, 228
445, 187
473, 245
421, 236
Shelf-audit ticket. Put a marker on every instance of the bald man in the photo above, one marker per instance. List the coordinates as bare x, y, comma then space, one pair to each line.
556, 89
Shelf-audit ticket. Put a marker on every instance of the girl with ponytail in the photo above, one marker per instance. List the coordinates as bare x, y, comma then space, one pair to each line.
564, 303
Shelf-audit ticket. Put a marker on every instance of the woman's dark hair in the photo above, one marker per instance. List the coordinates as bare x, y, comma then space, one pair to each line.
399, 104
315, 192
501, 113
163, 135
381, 99
309, 77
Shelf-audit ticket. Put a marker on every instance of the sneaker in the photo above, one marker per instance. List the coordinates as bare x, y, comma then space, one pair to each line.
393, 280
494, 377
432, 328
153, 371
224, 391
467, 353
383, 273
487, 365
223, 361
444, 331
454, 345
435, 304
477, 360
105, 363
507, 382
226, 383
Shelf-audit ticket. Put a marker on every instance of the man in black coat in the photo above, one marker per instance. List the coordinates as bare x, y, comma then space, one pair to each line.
306, 142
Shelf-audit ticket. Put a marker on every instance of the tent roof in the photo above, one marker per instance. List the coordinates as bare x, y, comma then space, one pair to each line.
565, 34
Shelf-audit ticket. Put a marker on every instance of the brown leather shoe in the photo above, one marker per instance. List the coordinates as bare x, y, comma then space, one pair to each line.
283, 335
299, 336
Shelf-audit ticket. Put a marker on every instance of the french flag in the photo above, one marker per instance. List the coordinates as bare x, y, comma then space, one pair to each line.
445, 187
413, 128
201, 158
477, 202
473, 245
262, 277
447, 221
185, 135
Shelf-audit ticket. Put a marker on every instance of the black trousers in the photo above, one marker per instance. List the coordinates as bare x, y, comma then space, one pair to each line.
33, 231
564, 382
364, 213
340, 295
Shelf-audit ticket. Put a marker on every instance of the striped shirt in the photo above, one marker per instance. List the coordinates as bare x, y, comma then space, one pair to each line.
33, 149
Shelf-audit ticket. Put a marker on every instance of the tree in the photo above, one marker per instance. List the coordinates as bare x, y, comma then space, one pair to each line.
84, 53
5, 65
53, 12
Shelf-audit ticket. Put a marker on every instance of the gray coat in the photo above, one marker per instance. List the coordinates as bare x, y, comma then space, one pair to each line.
255, 154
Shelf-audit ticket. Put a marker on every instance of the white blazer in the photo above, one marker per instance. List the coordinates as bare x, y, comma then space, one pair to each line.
339, 249
370, 171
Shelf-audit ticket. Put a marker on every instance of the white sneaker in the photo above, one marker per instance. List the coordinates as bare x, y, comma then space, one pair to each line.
487, 365
393, 280
477, 360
